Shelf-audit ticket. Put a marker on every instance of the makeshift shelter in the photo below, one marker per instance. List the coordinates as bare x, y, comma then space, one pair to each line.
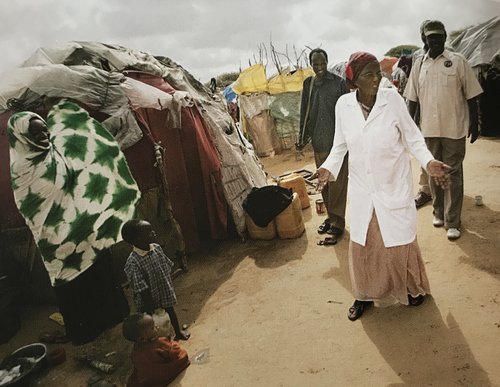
285, 91
271, 107
480, 45
386, 65
255, 118
339, 69
192, 165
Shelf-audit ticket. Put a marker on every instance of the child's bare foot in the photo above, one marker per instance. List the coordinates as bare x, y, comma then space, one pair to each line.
183, 335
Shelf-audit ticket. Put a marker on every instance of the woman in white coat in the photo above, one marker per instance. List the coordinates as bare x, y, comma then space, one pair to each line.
374, 126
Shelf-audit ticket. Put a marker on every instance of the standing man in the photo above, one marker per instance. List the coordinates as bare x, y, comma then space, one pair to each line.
424, 191
317, 124
446, 88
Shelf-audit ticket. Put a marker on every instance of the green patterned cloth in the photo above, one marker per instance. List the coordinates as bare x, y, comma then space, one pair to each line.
74, 193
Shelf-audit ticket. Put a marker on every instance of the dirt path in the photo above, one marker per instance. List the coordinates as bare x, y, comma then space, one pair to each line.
273, 313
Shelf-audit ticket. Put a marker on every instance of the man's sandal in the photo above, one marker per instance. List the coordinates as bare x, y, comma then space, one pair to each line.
323, 227
335, 231
328, 241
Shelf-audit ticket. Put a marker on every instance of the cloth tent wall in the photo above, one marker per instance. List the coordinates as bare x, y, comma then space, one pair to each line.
480, 44
489, 101
192, 168
258, 123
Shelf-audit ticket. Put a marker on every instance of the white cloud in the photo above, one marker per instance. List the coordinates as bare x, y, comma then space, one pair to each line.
211, 37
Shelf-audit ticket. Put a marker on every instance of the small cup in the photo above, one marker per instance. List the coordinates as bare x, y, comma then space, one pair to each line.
320, 206
478, 199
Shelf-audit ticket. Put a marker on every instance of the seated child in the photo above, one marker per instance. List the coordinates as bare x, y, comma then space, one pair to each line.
148, 271
157, 360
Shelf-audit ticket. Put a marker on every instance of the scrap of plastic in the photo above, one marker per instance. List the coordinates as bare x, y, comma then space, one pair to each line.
201, 357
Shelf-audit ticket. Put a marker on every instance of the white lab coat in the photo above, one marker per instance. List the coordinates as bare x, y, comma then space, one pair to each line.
380, 174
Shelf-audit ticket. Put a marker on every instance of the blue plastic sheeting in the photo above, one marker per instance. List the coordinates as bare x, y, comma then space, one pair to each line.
229, 94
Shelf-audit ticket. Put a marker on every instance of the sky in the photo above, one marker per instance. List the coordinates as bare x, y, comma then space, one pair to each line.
212, 37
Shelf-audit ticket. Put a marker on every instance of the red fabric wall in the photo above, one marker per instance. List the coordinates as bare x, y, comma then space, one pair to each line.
192, 168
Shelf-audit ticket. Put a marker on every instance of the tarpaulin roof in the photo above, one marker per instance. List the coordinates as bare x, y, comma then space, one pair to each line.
254, 80
480, 43
251, 80
288, 81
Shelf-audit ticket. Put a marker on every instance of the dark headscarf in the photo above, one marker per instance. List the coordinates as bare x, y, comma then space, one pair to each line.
357, 63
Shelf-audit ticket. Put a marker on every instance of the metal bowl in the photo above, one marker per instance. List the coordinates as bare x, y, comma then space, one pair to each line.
30, 358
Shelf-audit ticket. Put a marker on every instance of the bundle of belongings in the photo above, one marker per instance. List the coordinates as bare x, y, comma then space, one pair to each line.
263, 204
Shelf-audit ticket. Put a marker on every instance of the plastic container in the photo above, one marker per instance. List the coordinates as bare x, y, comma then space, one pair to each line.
289, 223
297, 183
261, 233
162, 321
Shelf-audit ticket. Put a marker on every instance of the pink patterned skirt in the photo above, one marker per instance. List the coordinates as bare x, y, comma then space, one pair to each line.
386, 274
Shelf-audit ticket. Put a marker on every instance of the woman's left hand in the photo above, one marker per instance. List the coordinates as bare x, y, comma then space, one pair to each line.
440, 173
323, 176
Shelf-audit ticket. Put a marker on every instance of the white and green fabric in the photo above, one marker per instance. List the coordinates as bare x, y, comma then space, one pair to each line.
75, 193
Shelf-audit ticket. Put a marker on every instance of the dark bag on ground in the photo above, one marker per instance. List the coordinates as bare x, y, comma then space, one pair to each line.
264, 203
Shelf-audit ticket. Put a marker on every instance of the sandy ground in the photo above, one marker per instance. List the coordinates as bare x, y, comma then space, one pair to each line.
273, 313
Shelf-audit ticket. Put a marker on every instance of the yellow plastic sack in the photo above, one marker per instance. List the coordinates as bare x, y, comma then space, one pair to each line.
288, 82
251, 80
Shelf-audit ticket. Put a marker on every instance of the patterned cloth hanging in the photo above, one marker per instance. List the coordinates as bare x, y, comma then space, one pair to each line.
74, 192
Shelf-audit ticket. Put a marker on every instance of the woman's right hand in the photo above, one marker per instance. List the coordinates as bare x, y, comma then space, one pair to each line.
323, 176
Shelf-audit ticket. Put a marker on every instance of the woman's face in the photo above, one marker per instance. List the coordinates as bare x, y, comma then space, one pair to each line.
39, 132
369, 78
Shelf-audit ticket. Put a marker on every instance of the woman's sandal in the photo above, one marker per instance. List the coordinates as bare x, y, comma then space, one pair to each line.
328, 241
357, 309
415, 301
